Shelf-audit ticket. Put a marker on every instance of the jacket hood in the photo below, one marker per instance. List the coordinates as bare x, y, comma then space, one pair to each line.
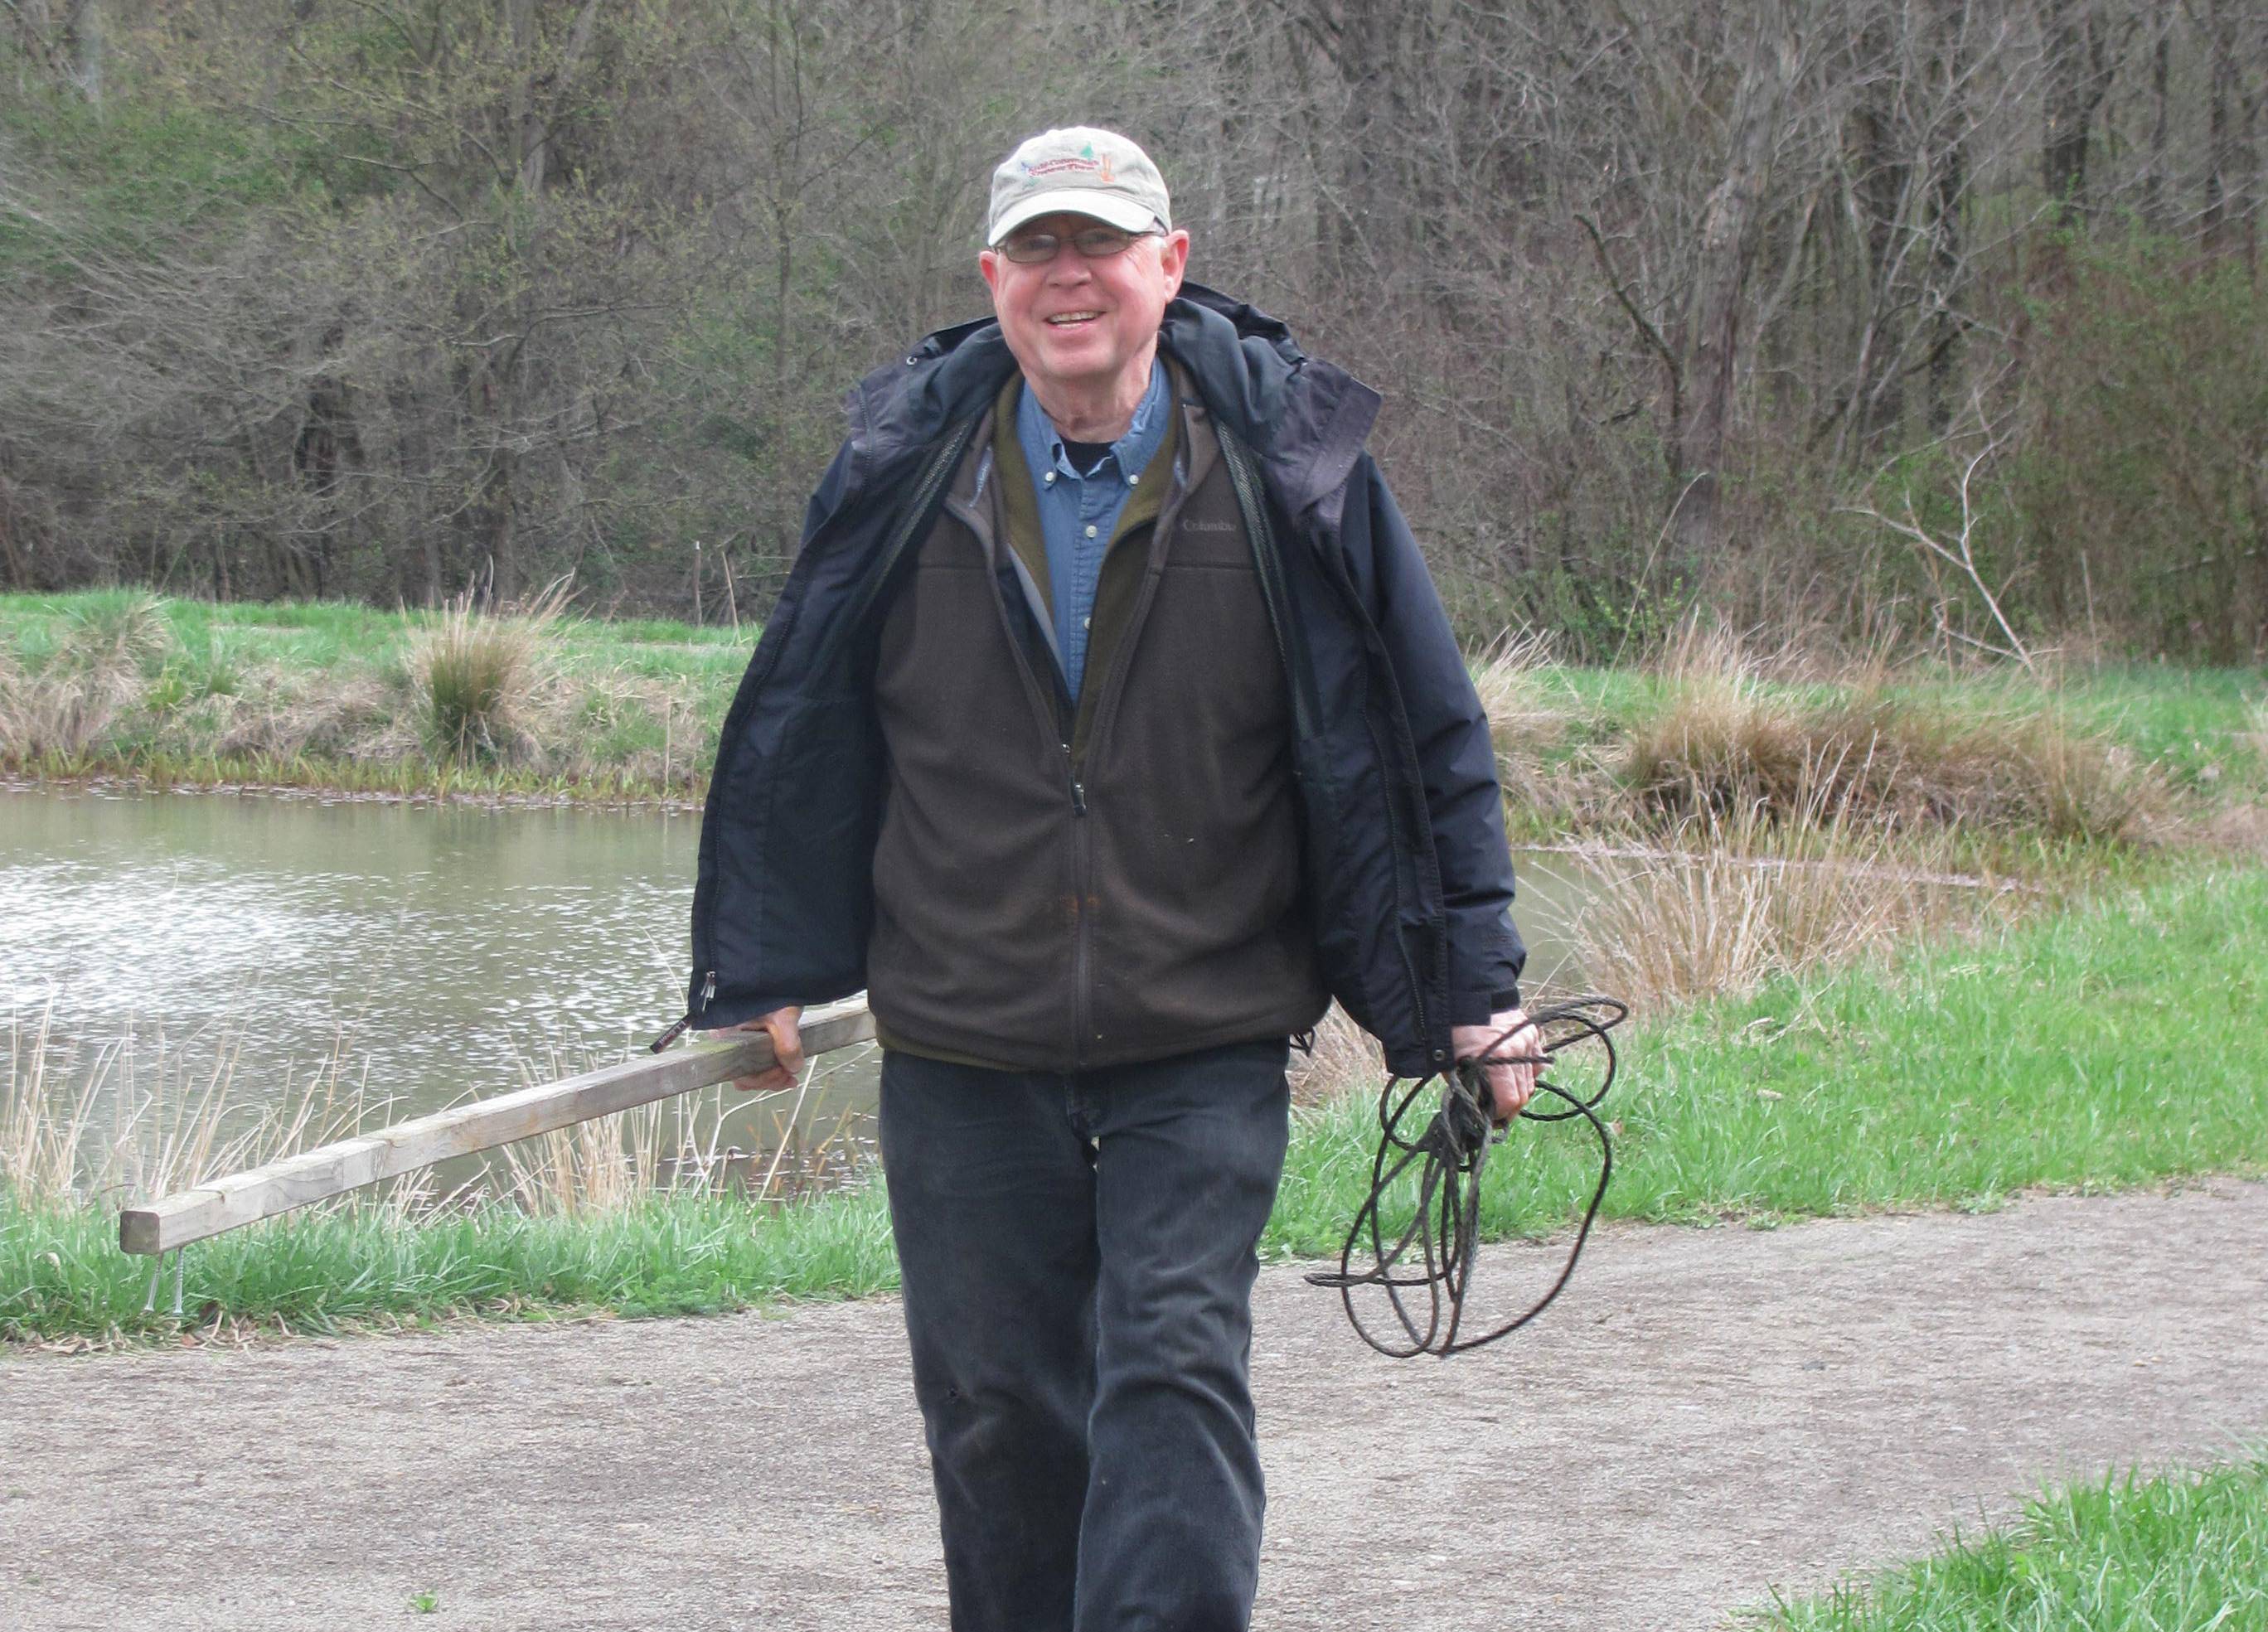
1306, 419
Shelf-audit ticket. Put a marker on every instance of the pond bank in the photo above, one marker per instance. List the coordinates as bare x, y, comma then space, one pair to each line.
2116, 1045
556, 707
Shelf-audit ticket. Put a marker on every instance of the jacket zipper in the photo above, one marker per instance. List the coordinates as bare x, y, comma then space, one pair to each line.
1270, 567
677, 1028
927, 491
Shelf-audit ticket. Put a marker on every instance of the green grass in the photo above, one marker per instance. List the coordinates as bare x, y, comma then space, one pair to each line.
63, 1276
2119, 1044
316, 696
2202, 730
326, 635
2123, 1043
2201, 727
2179, 1552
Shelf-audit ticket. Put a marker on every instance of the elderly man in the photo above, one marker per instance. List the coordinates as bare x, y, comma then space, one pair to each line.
1108, 727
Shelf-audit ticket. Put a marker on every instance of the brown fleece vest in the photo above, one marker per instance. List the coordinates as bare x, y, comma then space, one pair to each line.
1058, 892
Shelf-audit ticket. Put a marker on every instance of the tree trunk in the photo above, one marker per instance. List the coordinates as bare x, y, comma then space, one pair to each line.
2154, 180
1712, 336
1883, 176
2229, 224
2077, 77
1950, 65
83, 36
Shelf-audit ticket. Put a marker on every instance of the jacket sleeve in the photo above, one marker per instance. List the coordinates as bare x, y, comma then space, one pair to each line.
1456, 759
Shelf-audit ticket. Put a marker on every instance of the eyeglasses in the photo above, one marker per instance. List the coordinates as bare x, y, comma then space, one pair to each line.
1094, 243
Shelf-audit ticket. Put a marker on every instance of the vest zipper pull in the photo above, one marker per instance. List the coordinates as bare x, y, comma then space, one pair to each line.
708, 990
1078, 793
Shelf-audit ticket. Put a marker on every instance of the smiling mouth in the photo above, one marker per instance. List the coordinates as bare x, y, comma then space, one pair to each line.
1073, 320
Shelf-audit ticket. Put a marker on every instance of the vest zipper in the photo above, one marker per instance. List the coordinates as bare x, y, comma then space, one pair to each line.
1082, 854
1056, 713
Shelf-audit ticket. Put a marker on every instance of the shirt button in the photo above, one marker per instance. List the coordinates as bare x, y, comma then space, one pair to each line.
1090, 530
1133, 482
1086, 623
1050, 476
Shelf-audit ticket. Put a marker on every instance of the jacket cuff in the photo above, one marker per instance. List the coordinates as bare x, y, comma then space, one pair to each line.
1479, 1008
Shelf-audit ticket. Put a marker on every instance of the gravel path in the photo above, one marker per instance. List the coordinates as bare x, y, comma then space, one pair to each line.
1704, 1416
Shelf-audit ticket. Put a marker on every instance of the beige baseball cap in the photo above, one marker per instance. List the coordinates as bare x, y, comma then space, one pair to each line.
1083, 170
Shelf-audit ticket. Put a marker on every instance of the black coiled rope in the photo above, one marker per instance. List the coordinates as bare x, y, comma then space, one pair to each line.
1449, 1155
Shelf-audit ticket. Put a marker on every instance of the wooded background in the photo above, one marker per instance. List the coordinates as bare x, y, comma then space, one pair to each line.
1933, 317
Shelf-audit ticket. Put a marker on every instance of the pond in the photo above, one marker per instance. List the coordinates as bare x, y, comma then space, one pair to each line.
435, 953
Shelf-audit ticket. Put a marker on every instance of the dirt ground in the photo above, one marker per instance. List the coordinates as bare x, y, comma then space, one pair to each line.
1706, 1414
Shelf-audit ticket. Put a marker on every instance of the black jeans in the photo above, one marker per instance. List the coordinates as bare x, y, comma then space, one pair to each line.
1078, 1261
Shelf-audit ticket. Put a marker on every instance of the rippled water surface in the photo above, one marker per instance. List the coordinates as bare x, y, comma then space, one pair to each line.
449, 945
445, 951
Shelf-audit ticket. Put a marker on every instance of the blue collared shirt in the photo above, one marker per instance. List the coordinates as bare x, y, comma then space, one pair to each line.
1079, 510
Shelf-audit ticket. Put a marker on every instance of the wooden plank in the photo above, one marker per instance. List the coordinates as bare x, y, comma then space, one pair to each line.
239, 1199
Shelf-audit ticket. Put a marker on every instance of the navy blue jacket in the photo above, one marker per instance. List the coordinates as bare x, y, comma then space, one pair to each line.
1409, 880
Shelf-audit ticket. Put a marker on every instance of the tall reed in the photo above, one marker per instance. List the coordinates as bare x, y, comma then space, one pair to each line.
136, 1116
1735, 898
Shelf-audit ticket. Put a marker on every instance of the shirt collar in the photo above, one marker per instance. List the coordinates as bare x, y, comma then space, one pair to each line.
1132, 451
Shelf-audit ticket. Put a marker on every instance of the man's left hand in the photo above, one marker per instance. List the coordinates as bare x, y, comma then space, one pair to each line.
1512, 1084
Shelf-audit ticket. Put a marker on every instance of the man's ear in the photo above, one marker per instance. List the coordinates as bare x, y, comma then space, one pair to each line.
1174, 259
987, 263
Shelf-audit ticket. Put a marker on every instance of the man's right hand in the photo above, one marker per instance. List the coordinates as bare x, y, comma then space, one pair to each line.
787, 1043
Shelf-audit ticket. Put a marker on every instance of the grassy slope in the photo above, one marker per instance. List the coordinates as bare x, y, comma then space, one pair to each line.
624, 748
318, 635
2201, 727
2173, 1553
2120, 1044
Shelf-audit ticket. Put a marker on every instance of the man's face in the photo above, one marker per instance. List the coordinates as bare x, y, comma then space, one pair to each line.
1080, 324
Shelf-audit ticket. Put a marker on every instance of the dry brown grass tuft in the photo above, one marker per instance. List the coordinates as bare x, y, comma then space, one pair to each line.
121, 633
1513, 674
350, 717
1531, 712
573, 732
1728, 743
92, 680
480, 676
1345, 1059
591, 1168
1740, 899
63, 710
2257, 737
678, 1146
